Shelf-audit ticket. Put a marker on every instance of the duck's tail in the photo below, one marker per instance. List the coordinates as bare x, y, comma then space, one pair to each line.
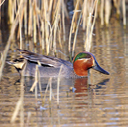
17, 63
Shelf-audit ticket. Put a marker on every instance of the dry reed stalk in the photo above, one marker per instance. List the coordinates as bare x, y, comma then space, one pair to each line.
56, 21
0, 11
19, 34
58, 84
50, 10
22, 100
71, 27
19, 105
30, 19
36, 79
50, 39
84, 13
76, 16
35, 22
46, 10
28, 119
36, 92
1, 54
77, 27
90, 26
54, 6
65, 11
51, 35
2, 2
20, 30
11, 11
15, 113
15, 6
117, 5
107, 11
10, 38
40, 81
45, 92
38, 20
50, 96
55, 33
46, 26
42, 30
102, 12
25, 18
124, 12
59, 33
63, 19
47, 37
87, 44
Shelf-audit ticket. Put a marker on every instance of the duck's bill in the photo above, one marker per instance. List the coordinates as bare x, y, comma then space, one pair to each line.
98, 68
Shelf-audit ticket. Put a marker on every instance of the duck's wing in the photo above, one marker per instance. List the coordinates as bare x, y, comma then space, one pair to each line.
44, 60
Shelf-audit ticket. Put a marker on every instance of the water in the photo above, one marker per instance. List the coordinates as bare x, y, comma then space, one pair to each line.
103, 103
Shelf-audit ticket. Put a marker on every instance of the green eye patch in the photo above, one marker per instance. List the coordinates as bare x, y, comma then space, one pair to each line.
81, 56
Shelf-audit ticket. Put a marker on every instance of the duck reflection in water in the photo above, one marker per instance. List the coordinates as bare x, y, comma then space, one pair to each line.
85, 93
72, 74
82, 86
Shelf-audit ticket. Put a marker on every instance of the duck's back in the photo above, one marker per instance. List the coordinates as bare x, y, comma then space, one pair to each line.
48, 66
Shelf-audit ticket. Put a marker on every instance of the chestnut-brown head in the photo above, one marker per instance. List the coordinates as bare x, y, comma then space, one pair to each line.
84, 61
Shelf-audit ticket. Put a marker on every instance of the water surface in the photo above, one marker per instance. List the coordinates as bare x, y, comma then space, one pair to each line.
102, 103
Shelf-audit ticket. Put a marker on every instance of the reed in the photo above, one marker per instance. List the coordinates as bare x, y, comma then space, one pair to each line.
50, 96
74, 42
43, 102
107, 11
85, 11
15, 113
25, 18
35, 22
102, 12
48, 8
20, 29
46, 22
36, 96
39, 64
90, 26
117, 5
36, 79
11, 11
19, 105
42, 42
28, 119
30, 19
2, 2
71, 27
63, 19
14, 25
22, 100
124, 12
58, 84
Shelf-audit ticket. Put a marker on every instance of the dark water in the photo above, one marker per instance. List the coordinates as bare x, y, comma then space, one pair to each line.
103, 103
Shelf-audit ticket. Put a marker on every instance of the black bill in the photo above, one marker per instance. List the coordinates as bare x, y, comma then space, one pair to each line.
98, 68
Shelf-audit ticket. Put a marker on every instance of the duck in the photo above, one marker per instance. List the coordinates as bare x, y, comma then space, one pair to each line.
53, 67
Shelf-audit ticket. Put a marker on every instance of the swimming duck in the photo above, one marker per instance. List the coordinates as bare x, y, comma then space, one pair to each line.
50, 66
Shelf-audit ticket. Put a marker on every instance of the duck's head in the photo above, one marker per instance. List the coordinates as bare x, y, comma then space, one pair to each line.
84, 61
